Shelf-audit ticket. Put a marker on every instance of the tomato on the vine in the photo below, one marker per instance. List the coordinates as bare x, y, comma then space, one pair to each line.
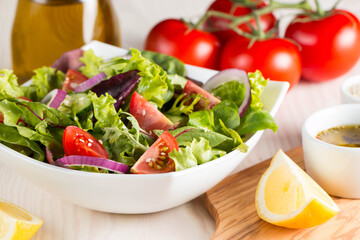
329, 45
277, 59
192, 46
218, 25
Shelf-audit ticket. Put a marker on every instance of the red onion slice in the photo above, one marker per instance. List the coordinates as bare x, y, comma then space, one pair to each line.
229, 75
91, 82
77, 160
54, 98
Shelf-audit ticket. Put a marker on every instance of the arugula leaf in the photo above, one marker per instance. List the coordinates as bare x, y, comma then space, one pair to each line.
170, 64
92, 63
233, 91
181, 105
238, 142
44, 80
8, 85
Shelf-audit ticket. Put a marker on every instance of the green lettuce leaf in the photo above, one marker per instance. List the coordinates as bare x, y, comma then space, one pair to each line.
184, 158
194, 153
9, 87
203, 152
202, 119
154, 85
258, 83
44, 80
91, 62
124, 143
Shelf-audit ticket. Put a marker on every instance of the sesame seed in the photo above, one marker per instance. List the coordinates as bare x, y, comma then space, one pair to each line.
90, 140
100, 142
148, 160
143, 112
89, 144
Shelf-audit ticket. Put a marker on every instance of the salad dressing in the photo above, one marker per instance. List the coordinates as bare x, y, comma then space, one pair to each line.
345, 136
44, 29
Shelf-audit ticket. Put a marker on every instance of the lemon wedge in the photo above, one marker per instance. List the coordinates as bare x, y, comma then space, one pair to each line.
286, 196
17, 223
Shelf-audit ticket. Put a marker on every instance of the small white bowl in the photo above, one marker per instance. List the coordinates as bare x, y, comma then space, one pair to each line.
336, 169
346, 96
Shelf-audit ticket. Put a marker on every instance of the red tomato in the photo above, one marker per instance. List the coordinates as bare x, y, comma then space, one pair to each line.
277, 59
73, 79
79, 142
218, 26
148, 116
156, 158
329, 45
192, 46
192, 88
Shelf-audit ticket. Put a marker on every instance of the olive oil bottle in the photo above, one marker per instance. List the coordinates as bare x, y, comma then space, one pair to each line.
44, 29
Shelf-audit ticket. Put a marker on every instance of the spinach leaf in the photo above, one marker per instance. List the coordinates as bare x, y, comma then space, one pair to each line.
228, 112
256, 121
186, 135
170, 64
233, 91
11, 137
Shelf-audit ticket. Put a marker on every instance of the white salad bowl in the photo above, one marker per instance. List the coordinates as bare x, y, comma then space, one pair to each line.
130, 193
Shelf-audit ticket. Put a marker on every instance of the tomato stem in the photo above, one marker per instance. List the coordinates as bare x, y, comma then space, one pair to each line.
319, 10
235, 20
259, 32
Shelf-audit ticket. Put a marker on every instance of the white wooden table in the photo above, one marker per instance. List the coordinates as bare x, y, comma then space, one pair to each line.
65, 221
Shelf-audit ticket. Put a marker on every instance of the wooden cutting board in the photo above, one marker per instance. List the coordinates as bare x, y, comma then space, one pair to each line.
232, 205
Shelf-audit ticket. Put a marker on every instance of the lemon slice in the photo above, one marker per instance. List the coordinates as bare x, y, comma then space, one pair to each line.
286, 196
17, 223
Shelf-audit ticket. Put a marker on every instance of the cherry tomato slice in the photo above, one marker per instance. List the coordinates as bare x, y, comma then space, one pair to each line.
192, 88
156, 158
148, 116
73, 79
79, 142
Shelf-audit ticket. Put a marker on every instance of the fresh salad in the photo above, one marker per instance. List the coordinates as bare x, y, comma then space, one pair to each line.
137, 114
